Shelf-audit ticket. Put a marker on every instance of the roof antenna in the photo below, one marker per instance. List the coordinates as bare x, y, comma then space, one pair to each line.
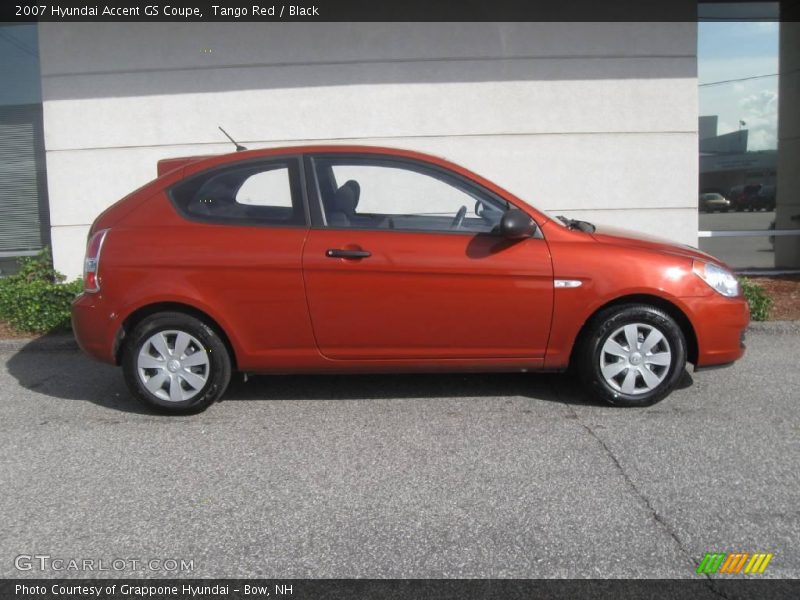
239, 147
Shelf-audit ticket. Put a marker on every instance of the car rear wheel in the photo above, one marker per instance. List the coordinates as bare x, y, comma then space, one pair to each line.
175, 363
632, 355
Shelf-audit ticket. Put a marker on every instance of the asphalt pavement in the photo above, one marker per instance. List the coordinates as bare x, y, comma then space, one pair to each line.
502, 475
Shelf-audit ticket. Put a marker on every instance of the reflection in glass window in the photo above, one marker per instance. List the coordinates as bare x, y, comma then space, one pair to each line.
738, 132
24, 226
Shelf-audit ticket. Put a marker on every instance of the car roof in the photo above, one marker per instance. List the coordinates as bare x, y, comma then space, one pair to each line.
335, 149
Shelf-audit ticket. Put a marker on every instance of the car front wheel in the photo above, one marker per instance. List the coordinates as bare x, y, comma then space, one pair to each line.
632, 355
175, 363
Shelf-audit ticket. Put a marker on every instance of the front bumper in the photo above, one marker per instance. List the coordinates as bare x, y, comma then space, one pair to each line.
720, 325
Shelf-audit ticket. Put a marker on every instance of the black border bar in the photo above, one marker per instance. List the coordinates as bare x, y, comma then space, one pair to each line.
21, 11
699, 587
349, 10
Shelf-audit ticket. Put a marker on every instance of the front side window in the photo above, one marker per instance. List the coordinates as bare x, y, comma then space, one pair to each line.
260, 193
387, 194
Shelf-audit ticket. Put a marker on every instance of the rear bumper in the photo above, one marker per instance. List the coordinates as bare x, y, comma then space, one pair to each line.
720, 325
95, 327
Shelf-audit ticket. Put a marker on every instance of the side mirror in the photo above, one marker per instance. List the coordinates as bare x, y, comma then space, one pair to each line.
516, 225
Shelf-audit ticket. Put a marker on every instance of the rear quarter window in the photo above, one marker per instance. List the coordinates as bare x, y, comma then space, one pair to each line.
262, 193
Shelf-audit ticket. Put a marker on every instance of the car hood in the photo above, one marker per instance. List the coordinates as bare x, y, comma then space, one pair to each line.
623, 237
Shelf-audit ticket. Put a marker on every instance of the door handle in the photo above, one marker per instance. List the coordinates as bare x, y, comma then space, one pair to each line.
338, 253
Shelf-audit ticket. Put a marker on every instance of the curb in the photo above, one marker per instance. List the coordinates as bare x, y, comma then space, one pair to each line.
779, 327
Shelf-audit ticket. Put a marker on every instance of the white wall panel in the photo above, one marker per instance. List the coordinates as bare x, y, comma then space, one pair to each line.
115, 47
69, 245
385, 109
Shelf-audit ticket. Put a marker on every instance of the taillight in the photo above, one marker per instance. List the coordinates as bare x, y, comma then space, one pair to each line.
91, 281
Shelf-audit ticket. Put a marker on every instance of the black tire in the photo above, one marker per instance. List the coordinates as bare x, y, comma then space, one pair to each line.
609, 323
217, 371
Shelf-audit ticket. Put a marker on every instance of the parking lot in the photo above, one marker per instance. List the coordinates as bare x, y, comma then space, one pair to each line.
502, 475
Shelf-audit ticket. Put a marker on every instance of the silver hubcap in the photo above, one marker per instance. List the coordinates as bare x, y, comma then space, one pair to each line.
635, 359
173, 365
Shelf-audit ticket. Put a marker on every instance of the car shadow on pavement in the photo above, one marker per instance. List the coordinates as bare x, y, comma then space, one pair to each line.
53, 366
61, 371
549, 387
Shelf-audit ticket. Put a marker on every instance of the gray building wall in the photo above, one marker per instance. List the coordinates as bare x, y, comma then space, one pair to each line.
707, 127
590, 120
787, 212
734, 142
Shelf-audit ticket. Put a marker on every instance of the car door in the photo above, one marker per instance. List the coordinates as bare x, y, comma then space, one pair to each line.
402, 263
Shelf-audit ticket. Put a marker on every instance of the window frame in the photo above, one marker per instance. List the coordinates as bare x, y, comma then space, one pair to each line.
460, 182
297, 188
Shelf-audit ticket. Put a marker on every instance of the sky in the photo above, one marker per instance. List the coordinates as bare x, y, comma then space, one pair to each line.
733, 50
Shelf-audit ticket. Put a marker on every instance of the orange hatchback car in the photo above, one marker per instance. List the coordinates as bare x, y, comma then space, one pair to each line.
355, 259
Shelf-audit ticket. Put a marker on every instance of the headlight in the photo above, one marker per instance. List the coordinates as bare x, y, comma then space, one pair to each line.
718, 278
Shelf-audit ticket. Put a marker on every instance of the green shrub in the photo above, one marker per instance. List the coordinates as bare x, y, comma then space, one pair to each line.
36, 299
760, 303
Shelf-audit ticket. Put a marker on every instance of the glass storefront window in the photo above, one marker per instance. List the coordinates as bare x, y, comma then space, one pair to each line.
24, 227
738, 78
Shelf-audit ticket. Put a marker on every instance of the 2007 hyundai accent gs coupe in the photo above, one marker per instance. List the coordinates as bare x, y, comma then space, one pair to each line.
362, 259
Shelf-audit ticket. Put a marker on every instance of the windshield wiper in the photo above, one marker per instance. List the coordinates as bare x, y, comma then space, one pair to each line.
576, 224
